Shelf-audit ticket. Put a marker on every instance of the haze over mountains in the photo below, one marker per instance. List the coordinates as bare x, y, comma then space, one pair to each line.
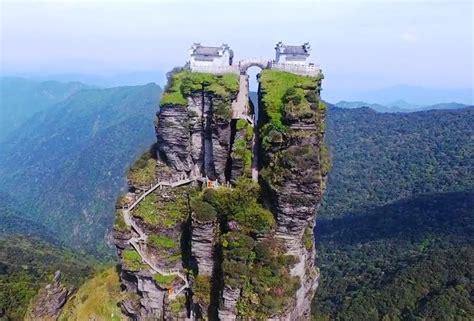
136, 78
398, 98
399, 106
413, 96
20, 99
63, 166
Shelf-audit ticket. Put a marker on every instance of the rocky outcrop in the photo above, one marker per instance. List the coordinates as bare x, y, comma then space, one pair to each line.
196, 127
203, 242
173, 138
121, 238
212, 242
50, 300
221, 133
294, 180
152, 297
228, 308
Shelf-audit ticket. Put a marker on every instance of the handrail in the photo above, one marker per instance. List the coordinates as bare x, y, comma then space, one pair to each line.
134, 242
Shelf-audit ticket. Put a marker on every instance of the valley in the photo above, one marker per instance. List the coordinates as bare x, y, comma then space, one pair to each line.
354, 137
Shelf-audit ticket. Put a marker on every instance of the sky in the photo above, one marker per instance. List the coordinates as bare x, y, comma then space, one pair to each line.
360, 45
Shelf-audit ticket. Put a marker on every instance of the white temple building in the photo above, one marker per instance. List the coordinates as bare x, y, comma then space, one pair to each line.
294, 59
211, 59
292, 54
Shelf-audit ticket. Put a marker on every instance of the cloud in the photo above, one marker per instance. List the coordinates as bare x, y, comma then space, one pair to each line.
408, 37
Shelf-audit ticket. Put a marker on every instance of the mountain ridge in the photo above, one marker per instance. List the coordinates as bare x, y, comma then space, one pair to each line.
64, 151
399, 108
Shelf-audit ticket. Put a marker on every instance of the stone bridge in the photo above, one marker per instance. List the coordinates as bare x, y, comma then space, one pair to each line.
247, 63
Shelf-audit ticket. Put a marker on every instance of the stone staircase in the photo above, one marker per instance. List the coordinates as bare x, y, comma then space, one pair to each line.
142, 237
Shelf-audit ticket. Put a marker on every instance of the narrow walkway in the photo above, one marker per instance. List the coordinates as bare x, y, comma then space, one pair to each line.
240, 107
135, 242
240, 110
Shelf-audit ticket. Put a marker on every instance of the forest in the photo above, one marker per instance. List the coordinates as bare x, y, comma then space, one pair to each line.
394, 235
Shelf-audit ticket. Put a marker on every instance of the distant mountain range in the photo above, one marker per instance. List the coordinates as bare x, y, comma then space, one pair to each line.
21, 98
64, 167
110, 80
399, 106
406, 96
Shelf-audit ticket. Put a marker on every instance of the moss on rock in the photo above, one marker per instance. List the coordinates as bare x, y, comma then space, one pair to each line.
285, 98
132, 261
184, 83
143, 170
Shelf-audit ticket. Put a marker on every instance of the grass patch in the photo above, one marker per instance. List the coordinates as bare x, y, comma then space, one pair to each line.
163, 214
284, 96
239, 204
203, 211
184, 83
161, 242
96, 299
132, 261
143, 171
147, 209
175, 211
120, 224
164, 281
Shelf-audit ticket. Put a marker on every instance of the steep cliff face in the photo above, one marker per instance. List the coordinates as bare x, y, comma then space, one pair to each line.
197, 236
295, 164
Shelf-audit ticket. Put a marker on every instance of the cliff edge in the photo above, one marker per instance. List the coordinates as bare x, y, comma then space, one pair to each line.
218, 220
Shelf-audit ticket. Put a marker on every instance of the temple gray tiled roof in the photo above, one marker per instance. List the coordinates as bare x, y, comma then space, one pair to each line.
207, 51
295, 50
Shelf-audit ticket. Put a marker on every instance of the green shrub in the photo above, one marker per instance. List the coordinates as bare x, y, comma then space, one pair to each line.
242, 150
185, 83
244, 124
132, 261
166, 214
202, 290
322, 106
311, 97
211, 196
164, 281
222, 110
147, 209
254, 218
238, 257
178, 304
241, 124
268, 249
293, 95
262, 271
203, 211
162, 242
